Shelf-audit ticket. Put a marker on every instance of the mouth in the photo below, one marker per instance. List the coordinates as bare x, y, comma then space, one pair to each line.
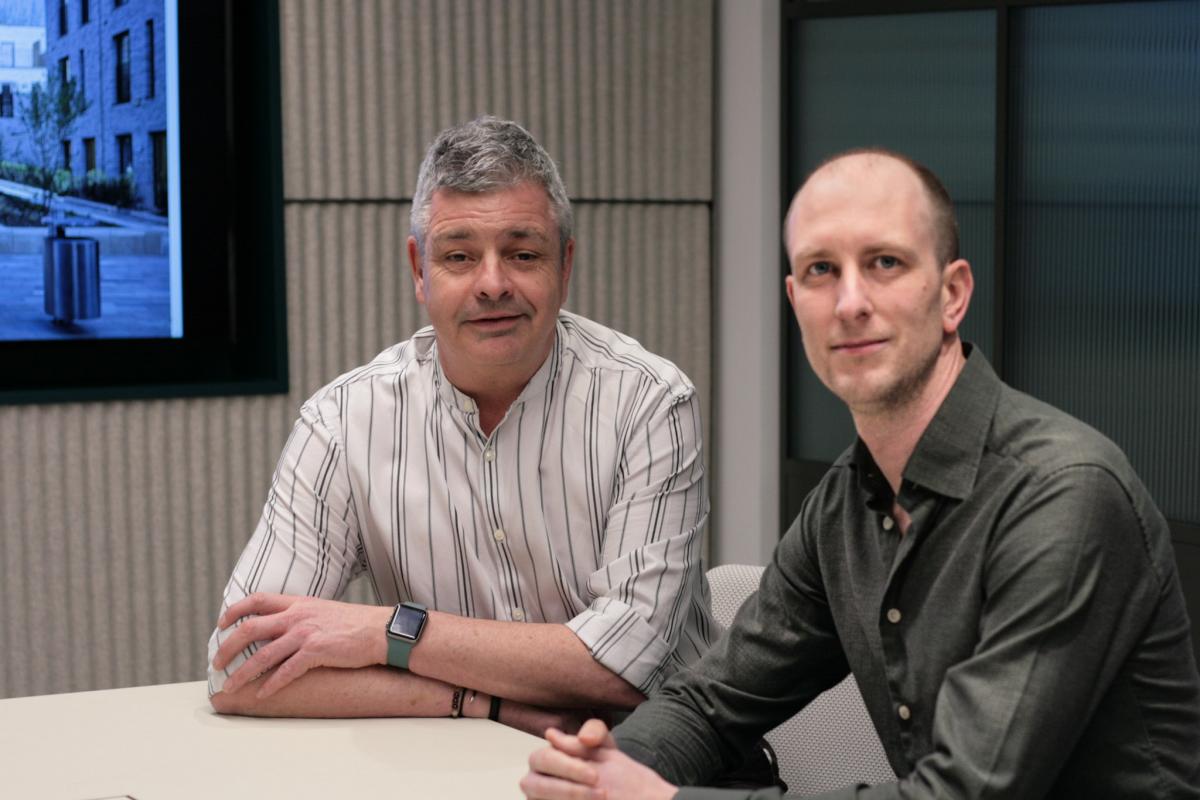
494, 321
859, 347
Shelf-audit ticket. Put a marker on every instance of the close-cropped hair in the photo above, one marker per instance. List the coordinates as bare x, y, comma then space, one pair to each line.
945, 221
482, 155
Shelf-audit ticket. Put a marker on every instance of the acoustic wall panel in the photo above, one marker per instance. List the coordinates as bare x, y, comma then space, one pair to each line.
618, 91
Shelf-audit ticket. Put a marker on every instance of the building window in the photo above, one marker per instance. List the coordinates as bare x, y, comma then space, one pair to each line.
82, 76
119, 3
62, 17
66, 155
158, 144
125, 152
85, 12
39, 58
149, 58
6, 100
89, 154
8, 54
121, 45
64, 70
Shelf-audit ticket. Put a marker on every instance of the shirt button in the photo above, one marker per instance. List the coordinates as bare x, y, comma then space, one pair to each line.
468, 405
893, 615
518, 614
489, 454
499, 535
904, 712
888, 523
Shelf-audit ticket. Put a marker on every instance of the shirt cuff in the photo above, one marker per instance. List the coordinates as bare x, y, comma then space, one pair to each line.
621, 640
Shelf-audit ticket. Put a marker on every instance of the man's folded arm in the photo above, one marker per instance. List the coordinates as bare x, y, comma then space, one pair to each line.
780, 652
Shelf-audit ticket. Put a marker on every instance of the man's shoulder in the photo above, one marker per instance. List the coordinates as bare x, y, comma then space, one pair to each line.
1045, 439
401, 362
596, 347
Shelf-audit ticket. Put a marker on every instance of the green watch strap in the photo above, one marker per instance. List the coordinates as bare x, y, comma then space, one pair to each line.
400, 648
398, 652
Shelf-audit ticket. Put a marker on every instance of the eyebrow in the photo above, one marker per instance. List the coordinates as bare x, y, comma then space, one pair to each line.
467, 234
870, 250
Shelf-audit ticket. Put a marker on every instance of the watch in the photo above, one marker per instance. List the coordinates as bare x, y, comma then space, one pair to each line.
403, 631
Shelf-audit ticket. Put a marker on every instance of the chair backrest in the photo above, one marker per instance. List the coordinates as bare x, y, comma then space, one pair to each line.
831, 743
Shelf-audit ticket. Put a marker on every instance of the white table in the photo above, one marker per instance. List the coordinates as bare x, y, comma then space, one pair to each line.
159, 742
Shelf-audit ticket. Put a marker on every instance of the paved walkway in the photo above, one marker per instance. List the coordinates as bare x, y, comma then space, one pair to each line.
135, 297
134, 300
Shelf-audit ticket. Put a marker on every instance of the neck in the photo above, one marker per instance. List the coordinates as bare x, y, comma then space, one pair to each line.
891, 433
494, 390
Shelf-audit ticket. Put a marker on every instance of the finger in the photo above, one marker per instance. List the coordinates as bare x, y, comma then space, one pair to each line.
554, 762
288, 671
250, 631
257, 603
266, 658
594, 733
545, 787
566, 743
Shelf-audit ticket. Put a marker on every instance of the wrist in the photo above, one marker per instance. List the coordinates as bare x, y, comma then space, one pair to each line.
476, 704
380, 618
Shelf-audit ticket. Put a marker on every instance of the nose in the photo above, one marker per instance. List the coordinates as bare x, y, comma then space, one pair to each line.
491, 278
853, 298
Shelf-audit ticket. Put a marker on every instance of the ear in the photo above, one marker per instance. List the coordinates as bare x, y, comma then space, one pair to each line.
414, 259
568, 261
790, 288
957, 286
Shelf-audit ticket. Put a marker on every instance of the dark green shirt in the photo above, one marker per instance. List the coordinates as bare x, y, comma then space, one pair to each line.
1026, 638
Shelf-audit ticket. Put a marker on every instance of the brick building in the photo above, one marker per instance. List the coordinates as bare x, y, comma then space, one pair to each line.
22, 64
116, 50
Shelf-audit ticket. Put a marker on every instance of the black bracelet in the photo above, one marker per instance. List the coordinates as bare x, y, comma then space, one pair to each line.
456, 703
494, 711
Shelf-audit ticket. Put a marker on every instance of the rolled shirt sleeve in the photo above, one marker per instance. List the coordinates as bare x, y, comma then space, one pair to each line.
651, 572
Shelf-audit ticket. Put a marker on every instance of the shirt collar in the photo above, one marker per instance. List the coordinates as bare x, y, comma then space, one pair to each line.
537, 385
946, 458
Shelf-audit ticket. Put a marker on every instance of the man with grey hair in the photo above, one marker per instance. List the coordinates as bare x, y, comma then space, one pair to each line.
523, 487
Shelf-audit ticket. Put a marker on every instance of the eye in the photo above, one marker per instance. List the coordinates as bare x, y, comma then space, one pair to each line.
819, 268
887, 262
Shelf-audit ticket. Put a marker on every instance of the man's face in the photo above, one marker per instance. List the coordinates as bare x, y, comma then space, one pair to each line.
492, 278
873, 304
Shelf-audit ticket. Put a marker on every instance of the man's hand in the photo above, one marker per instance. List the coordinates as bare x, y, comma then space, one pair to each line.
590, 767
303, 633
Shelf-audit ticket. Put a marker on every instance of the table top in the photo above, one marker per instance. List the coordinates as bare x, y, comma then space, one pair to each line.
154, 742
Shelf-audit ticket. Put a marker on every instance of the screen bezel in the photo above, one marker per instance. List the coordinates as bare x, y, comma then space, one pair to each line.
234, 320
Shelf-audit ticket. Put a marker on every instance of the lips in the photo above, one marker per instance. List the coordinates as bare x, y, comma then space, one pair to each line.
859, 346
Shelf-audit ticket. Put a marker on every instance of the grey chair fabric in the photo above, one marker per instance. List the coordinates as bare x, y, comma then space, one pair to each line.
831, 743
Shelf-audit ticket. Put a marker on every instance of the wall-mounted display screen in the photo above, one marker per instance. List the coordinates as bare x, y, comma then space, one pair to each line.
140, 199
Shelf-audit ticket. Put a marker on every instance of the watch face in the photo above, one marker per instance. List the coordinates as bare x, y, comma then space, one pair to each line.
407, 622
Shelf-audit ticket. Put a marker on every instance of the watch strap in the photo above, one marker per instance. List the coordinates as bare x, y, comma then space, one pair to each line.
399, 650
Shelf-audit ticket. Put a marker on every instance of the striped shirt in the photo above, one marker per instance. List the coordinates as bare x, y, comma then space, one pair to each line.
584, 506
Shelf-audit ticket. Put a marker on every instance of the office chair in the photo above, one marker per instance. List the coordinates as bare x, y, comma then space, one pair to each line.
829, 744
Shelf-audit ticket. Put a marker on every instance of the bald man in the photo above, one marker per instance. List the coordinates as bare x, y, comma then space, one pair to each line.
991, 570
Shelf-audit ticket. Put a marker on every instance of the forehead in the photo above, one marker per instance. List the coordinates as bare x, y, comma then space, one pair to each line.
524, 207
858, 200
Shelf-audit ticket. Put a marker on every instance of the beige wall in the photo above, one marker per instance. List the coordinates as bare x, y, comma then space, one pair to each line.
119, 521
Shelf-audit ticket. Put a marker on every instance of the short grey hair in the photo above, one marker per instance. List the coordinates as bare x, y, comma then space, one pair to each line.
484, 154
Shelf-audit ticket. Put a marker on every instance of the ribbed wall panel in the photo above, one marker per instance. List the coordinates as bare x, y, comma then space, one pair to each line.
618, 91
120, 522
